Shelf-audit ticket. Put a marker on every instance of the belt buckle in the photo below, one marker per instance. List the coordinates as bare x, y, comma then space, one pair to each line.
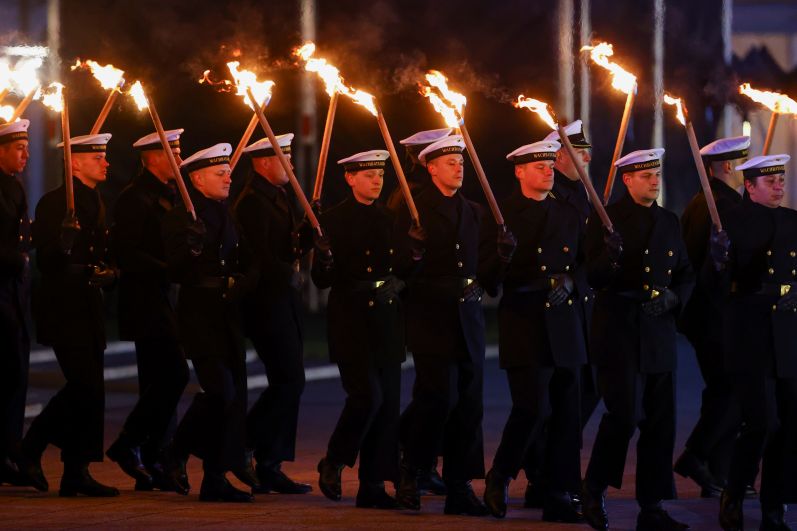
654, 293
784, 289
469, 281
230, 282
378, 284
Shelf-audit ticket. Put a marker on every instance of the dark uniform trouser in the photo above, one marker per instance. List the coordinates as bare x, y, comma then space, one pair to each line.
720, 417
14, 363
540, 394
73, 419
271, 423
213, 427
369, 422
446, 406
162, 377
769, 412
632, 400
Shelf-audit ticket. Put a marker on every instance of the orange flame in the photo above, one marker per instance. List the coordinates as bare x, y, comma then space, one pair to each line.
6, 112
450, 104
247, 79
137, 93
24, 76
540, 107
679, 107
5, 74
110, 77
52, 97
774, 101
333, 81
622, 80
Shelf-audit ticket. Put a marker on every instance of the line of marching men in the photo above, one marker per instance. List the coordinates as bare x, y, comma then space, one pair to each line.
585, 314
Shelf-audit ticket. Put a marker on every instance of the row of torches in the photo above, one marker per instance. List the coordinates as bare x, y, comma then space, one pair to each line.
448, 103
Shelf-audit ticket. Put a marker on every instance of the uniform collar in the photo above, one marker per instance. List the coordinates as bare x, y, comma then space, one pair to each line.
262, 184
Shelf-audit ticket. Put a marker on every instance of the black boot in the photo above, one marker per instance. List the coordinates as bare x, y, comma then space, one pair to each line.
496, 493
731, 513
690, 466
329, 479
430, 482
593, 503
9, 473
216, 488
159, 481
30, 471
372, 495
128, 457
272, 478
533, 498
774, 518
462, 500
77, 480
175, 477
407, 493
559, 507
655, 518
245, 472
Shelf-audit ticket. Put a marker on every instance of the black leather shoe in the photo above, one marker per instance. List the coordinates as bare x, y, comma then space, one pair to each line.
689, 466
329, 479
216, 489
273, 479
159, 480
245, 473
657, 519
593, 504
533, 499
496, 493
559, 507
129, 460
407, 494
463, 501
175, 477
9, 473
731, 516
77, 480
431, 483
774, 519
373, 496
30, 471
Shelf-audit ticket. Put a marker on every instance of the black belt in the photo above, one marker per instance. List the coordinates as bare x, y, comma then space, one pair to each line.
362, 285
446, 282
767, 289
538, 284
213, 283
639, 294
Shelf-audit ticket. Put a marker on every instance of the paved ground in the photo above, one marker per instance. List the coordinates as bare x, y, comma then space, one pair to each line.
23, 508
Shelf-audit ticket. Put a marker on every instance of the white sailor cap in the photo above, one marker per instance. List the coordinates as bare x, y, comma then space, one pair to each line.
763, 165
640, 160
422, 139
212, 156
14, 131
88, 143
542, 150
367, 160
446, 146
732, 148
262, 148
152, 141
575, 132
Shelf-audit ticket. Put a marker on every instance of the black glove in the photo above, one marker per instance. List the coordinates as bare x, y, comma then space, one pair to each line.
665, 301
323, 250
389, 290
315, 206
507, 243
236, 288
718, 246
561, 288
195, 236
297, 278
302, 238
417, 242
102, 276
473, 292
614, 246
788, 303
69, 231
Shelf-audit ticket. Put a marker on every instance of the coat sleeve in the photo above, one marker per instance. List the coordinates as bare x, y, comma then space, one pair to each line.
46, 232
256, 232
598, 266
491, 269
127, 234
323, 277
178, 254
683, 275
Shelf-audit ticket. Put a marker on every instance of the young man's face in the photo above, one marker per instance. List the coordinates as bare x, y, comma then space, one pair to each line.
14, 156
565, 164
447, 172
767, 190
271, 169
91, 168
643, 185
535, 177
158, 163
366, 185
213, 182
